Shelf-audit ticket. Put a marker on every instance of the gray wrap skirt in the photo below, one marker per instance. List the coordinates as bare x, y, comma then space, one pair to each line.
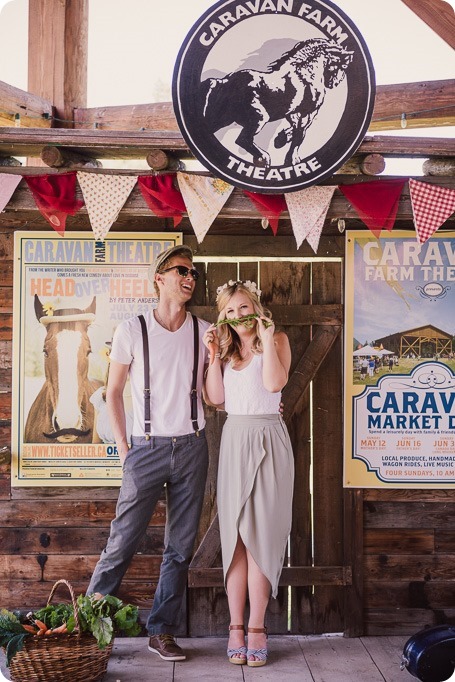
254, 492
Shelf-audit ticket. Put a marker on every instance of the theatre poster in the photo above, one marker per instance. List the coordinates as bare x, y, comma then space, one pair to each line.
399, 361
70, 293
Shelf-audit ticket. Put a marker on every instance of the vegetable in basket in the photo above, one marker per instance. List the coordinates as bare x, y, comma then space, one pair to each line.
101, 617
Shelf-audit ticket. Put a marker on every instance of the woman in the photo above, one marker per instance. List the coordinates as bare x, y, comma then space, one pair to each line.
249, 368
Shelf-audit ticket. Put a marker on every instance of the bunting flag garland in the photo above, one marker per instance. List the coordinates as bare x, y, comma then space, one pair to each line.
55, 197
104, 197
307, 210
376, 202
270, 206
204, 198
8, 184
161, 196
431, 206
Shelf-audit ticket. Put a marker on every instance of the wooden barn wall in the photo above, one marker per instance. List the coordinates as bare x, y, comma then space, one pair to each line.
406, 538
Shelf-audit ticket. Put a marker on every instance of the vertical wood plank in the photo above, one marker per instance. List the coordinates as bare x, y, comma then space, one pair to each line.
58, 46
285, 283
353, 556
249, 271
328, 460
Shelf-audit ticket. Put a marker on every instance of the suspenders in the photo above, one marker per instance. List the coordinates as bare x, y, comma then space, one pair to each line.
193, 394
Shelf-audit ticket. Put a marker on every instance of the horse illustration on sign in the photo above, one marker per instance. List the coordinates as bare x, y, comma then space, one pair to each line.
62, 410
293, 89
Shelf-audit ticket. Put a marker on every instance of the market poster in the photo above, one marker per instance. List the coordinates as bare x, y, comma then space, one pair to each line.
69, 296
399, 361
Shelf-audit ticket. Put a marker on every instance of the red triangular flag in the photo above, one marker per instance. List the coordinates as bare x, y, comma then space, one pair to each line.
161, 196
270, 206
431, 206
55, 197
376, 202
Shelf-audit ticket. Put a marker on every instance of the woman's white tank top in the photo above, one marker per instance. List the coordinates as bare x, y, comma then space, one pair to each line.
244, 391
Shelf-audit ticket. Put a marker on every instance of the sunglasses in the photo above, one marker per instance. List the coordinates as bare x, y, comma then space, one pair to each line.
183, 271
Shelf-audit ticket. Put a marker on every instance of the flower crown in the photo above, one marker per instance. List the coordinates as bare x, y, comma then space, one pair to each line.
251, 286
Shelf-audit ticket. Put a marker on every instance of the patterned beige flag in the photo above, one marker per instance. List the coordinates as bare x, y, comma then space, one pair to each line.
307, 210
204, 198
8, 184
104, 196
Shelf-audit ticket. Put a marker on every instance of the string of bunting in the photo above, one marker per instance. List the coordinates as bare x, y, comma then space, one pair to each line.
202, 198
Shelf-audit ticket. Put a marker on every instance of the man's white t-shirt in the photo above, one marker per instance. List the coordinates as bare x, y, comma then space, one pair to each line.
171, 373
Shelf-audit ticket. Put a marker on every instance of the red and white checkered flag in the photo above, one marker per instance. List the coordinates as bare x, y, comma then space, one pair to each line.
431, 206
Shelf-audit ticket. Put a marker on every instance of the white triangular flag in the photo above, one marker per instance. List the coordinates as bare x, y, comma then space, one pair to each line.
307, 211
204, 198
104, 197
8, 184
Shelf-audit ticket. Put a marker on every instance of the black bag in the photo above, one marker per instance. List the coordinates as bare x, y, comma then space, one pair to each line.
429, 655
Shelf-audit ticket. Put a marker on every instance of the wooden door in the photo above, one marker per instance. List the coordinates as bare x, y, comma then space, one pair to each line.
305, 299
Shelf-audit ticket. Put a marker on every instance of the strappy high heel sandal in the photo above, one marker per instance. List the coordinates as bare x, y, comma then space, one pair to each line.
237, 656
260, 654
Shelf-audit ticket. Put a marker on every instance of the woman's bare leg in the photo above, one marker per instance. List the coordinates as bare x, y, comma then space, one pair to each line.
236, 587
259, 593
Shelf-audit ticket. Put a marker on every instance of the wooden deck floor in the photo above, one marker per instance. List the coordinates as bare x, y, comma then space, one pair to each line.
292, 659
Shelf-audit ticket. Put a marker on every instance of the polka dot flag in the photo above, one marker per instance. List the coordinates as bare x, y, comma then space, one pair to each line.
307, 211
104, 197
431, 206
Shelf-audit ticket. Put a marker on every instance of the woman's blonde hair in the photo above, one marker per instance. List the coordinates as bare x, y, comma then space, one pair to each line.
227, 335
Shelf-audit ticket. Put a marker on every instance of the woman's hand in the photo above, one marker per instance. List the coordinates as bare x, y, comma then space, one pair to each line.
265, 328
211, 341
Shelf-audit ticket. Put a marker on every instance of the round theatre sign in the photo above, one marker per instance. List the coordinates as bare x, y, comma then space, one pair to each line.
273, 95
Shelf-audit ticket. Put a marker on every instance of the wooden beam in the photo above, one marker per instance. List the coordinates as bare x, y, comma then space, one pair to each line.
307, 367
425, 104
438, 15
135, 117
57, 49
112, 144
294, 576
434, 99
22, 109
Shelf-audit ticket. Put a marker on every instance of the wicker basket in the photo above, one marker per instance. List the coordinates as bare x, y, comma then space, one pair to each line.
57, 658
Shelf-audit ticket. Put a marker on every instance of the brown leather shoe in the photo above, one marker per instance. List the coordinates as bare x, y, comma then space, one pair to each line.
166, 648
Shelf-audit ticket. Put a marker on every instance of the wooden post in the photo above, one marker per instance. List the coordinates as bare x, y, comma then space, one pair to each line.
368, 164
9, 161
159, 160
57, 55
59, 157
439, 167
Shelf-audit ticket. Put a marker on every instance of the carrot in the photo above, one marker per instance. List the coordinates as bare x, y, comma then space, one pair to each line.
60, 629
48, 632
42, 626
30, 628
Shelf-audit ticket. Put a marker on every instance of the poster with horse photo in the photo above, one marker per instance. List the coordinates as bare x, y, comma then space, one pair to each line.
70, 293
400, 361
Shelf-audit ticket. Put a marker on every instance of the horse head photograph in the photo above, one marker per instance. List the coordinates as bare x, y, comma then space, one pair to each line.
292, 90
62, 411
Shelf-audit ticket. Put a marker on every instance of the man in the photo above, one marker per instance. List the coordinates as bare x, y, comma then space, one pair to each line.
175, 452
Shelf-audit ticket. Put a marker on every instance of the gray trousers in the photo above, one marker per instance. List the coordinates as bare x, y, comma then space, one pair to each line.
181, 463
